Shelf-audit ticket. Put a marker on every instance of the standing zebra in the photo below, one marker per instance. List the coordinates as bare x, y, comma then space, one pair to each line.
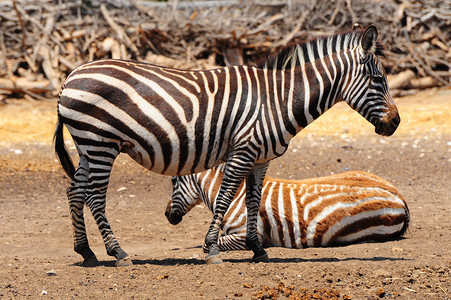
340, 209
177, 122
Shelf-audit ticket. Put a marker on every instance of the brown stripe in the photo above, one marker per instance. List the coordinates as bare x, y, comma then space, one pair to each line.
386, 220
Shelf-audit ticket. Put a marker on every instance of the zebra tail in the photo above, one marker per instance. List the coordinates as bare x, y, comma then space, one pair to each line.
406, 222
61, 151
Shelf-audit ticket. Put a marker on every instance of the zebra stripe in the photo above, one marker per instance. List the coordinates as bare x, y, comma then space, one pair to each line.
341, 209
178, 122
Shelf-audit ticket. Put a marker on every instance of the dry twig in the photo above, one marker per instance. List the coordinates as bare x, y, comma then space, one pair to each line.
199, 34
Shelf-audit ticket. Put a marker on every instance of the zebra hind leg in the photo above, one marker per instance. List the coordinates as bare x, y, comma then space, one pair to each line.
76, 194
230, 242
96, 201
254, 183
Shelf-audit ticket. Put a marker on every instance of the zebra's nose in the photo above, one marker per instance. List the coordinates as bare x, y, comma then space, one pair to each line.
172, 217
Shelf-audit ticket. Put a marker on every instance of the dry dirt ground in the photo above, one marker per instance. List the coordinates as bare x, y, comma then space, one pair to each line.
36, 236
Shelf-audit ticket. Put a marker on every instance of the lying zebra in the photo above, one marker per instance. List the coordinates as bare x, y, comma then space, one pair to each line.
340, 209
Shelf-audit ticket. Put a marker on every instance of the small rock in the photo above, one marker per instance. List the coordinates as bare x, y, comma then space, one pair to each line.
51, 273
380, 292
43, 292
397, 249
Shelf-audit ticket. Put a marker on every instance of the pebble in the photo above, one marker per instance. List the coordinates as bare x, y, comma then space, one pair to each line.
380, 292
51, 273
397, 249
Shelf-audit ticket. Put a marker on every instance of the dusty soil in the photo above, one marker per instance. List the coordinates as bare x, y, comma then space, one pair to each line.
36, 235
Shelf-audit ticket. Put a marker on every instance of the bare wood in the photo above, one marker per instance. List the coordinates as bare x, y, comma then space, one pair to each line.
265, 25
119, 31
351, 11
400, 80
46, 54
8, 64
423, 83
250, 29
74, 35
110, 45
440, 44
70, 65
293, 33
34, 21
161, 60
22, 84
20, 22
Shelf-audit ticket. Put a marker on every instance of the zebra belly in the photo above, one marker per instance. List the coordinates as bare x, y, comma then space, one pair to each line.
173, 168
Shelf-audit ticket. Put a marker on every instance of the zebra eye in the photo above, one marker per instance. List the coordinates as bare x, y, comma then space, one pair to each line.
174, 181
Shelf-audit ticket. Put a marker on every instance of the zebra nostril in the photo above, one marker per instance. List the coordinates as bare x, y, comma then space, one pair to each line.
395, 121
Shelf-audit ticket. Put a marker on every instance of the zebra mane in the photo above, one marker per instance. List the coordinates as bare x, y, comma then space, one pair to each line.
297, 53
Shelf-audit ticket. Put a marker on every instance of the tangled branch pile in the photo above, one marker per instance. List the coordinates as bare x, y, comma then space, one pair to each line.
41, 41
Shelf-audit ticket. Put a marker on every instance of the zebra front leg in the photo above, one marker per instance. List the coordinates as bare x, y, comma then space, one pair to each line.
254, 183
76, 194
237, 167
211, 240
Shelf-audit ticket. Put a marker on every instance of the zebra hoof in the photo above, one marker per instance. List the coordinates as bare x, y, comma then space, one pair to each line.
261, 258
213, 259
91, 262
124, 262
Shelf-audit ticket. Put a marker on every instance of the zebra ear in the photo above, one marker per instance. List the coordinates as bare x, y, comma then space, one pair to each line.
369, 39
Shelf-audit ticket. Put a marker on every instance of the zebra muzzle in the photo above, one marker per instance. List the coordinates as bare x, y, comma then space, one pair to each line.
388, 124
172, 217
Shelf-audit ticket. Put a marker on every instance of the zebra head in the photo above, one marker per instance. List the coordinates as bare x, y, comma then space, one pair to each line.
366, 88
185, 195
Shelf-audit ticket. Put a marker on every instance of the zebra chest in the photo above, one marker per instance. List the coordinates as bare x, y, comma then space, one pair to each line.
270, 152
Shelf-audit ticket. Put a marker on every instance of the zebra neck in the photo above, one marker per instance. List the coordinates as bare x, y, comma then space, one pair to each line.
209, 202
209, 183
318, 87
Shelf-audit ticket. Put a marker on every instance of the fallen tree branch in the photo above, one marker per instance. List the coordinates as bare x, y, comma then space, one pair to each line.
22, 84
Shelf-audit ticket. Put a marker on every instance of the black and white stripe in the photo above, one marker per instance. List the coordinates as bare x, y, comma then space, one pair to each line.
177, 122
